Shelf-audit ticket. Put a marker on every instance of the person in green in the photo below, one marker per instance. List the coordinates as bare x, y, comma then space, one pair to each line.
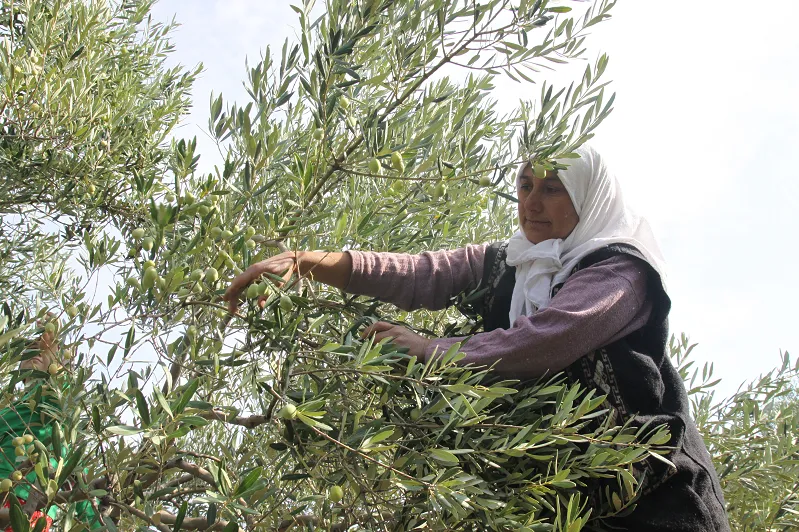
26, 421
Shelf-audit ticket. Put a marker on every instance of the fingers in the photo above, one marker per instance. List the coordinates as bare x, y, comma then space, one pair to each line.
377, 327
245, 278
282, 264
383, 330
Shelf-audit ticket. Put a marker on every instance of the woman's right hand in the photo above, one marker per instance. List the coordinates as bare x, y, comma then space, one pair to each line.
283, 265
327, 267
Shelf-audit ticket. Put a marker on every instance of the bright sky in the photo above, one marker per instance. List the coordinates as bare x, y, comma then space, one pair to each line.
705, 124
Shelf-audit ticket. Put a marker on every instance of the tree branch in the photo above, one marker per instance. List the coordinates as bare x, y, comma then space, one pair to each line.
141, 515
247, 422
190, 523
192, 469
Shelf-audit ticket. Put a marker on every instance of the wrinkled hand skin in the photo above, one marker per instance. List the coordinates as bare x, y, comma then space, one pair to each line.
282, 265
400, 336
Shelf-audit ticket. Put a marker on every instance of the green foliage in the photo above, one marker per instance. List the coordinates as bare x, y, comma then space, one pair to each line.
752, 437
85, 106
366, 133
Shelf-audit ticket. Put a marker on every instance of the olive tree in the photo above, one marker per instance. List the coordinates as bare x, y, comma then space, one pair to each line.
752, 437
86, 104
375, 130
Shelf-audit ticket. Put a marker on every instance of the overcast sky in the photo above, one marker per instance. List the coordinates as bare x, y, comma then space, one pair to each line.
703, 138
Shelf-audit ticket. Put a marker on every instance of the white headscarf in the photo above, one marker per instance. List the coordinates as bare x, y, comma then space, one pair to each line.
604, 218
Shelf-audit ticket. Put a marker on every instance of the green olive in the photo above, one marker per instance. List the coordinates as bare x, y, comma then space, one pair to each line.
485, 181
263, 288
288, 412
539, 171
149, 278
137, 233
374, 166
318, 133
197, 275
252, 291
211, 275
147, 243
397, 161
5, 485
335, 494
286, 303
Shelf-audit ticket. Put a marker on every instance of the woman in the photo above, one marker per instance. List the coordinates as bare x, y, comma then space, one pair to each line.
26, 421
577, 289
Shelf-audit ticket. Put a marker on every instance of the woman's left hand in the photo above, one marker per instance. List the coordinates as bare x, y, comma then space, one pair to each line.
401, 336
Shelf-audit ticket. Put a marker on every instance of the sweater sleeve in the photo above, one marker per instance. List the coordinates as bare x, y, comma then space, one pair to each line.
595, 307
428, 280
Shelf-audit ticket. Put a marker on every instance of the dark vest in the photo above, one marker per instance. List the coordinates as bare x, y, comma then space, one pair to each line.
642, 387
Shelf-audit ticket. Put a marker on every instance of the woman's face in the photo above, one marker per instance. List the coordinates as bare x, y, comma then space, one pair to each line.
46, 347
545, 208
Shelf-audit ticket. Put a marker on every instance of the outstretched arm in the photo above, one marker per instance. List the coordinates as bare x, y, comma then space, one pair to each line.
330, 268
428, 280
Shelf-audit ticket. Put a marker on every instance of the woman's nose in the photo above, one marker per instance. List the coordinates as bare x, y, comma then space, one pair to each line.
532, 202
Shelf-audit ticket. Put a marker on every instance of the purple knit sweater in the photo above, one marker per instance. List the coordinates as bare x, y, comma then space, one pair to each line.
595, 307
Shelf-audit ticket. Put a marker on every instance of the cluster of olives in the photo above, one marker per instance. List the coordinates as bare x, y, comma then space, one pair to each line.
23, 445
150, 277
262, 289
140, 235
397, 163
